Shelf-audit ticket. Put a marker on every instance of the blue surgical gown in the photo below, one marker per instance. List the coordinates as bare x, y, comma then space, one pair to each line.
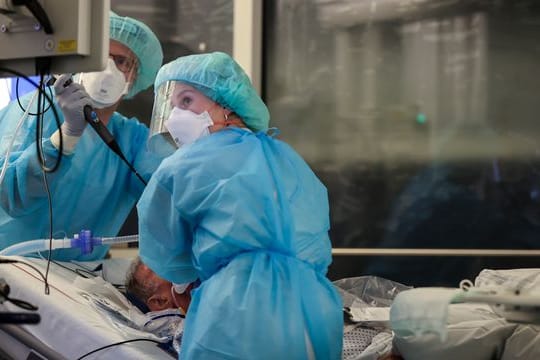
93, 189
244, 213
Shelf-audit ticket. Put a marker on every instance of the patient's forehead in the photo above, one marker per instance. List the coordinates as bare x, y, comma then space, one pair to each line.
144, 271
145, 274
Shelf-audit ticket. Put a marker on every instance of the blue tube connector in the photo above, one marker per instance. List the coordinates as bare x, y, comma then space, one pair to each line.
84, 241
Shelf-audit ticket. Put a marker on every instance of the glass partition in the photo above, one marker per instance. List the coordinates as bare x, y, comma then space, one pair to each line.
421, 118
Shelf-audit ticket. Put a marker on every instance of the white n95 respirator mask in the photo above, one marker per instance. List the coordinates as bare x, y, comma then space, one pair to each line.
185, 126
105, 87
179, 288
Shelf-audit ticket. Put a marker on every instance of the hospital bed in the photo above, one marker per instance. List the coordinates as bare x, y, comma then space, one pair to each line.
70, 325
494, 317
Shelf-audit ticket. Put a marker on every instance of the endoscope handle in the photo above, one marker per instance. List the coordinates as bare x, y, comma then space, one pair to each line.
92, 118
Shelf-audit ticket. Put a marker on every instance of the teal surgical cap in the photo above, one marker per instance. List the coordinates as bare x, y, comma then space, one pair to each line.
145, 45
220, 78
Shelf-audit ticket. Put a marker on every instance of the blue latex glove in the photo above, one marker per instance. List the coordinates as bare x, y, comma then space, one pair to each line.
71, 98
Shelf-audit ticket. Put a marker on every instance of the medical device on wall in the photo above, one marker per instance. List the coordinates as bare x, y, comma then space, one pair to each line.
73, 34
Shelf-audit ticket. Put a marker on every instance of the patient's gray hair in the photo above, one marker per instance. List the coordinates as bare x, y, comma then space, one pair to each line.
141, 288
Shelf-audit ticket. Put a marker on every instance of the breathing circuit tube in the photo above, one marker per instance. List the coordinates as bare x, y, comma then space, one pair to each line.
83, 240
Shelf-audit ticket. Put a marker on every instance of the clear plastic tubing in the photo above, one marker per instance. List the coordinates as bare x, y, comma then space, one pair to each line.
83, 240
32, 246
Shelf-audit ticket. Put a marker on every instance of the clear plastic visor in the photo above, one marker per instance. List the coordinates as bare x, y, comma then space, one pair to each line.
159, 138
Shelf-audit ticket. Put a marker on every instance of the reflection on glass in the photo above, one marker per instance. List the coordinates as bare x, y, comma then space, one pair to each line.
420, 117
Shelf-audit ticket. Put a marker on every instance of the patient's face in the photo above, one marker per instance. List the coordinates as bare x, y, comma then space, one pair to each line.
162, 297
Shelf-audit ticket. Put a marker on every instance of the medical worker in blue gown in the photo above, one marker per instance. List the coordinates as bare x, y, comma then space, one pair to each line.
93, 189
243, 212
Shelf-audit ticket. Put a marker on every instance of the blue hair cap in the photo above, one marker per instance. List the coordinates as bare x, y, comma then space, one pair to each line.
145, 45
219, 77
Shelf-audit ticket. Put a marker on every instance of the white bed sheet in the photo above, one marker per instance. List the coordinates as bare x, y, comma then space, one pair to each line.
68, 324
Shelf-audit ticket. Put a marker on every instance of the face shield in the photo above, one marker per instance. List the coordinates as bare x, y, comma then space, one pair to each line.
173, 119
160, 140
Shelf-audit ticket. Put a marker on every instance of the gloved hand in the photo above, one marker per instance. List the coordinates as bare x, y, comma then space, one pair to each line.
71, 99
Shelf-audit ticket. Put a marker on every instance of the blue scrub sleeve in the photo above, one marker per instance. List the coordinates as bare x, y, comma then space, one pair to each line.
165, 237
22, 191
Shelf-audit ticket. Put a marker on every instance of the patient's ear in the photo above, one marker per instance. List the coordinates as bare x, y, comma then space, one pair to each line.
157, 302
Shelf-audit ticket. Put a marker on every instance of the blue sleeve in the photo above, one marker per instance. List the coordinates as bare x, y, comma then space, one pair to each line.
22, 190
165, 237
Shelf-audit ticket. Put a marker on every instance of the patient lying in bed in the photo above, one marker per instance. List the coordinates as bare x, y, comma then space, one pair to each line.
474, 331
151, 294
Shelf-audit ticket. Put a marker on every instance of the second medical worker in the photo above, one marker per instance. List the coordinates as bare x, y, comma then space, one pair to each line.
93, 189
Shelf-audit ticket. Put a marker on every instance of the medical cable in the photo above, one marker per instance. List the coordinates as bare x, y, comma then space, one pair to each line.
4, 296
105, 135
21, 105
46, 183
42, 92
12, 141
39, 13
82, 272
43, 66
116, 344
44, 69
15, 261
